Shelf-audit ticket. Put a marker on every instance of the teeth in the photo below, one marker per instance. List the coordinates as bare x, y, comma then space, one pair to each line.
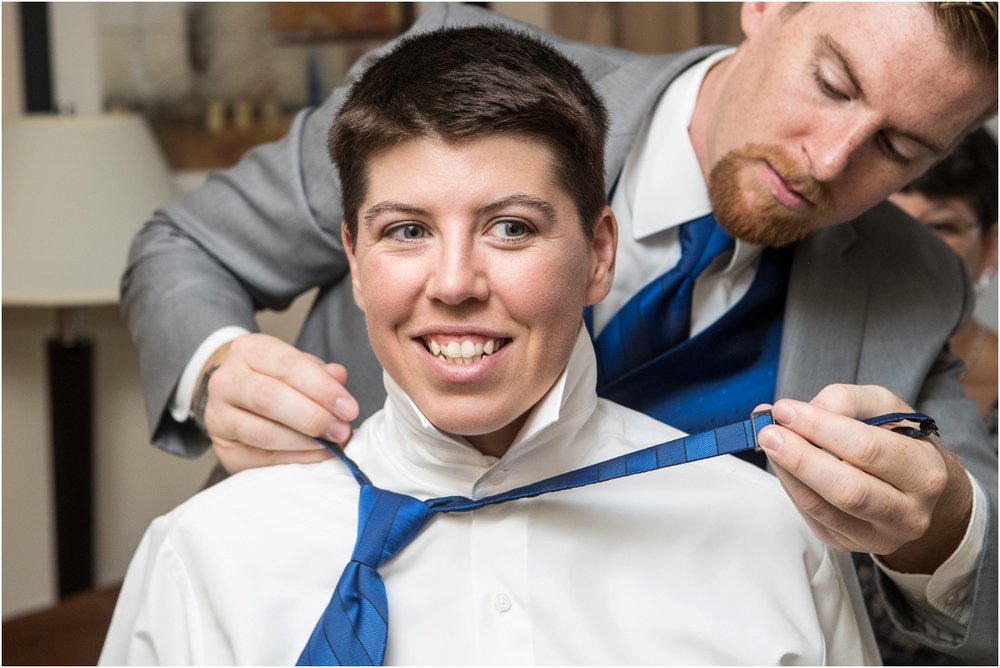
463, 352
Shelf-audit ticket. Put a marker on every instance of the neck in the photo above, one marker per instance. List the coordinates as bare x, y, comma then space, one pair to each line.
706, 108
497, 443
977, 347
965, 339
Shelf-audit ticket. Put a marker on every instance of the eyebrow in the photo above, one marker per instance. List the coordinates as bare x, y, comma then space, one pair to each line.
390, 206
517, 199
832, 46
520, 199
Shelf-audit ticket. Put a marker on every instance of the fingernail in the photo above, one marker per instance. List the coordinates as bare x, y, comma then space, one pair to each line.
338, 433
783, 413
770, 439
345, 409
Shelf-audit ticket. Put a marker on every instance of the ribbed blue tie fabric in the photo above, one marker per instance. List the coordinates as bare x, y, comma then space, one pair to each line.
658, 317
354, 627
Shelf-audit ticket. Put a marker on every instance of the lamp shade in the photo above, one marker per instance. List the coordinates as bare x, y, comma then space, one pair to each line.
76, 189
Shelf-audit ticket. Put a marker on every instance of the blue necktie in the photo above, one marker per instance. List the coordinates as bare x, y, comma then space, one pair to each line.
354, 627
658, 317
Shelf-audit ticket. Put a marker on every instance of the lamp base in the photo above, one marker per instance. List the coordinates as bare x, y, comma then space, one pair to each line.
70, 372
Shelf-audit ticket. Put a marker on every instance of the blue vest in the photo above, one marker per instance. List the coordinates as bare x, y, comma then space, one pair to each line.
717, 377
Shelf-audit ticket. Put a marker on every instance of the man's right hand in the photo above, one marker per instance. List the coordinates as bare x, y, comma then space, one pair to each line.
267, 400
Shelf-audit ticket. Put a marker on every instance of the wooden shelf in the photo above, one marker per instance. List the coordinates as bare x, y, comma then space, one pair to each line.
187, 145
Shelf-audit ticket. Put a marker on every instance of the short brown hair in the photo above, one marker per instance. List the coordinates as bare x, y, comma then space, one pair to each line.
969, 29
459, 84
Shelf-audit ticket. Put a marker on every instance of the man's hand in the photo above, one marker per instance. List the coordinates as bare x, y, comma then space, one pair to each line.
868, 489
268, 399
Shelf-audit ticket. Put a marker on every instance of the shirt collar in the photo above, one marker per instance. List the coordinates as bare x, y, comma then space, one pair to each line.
664, 186
425, 462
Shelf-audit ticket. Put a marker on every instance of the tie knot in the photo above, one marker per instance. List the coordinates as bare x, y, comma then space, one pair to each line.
702, 240
387, 522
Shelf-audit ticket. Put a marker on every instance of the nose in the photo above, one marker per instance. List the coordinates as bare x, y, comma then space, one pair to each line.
835, 146
458, 274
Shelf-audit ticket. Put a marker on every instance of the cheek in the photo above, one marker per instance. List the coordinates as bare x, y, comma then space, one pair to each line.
549, 290
971, 252
389, 289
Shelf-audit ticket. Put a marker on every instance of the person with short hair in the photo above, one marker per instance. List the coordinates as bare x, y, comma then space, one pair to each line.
477, 231
796, 137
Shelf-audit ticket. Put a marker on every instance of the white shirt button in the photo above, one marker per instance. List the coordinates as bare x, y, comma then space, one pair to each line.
498, 476
502, 602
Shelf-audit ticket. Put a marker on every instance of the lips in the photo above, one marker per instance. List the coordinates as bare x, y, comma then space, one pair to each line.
784, 192
462, 351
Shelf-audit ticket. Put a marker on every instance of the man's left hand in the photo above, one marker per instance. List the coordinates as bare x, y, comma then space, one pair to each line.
868, 489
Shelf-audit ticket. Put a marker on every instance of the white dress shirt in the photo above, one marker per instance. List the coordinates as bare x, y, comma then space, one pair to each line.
703, 563
661, 187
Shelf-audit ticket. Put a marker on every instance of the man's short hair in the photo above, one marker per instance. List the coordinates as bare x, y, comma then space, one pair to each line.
968, 173
460, 84
969, 29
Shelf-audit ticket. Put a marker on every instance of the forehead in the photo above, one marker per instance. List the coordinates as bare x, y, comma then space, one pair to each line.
466, 171
903, 64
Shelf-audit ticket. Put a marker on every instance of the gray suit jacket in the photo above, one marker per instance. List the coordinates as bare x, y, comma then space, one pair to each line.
871, 301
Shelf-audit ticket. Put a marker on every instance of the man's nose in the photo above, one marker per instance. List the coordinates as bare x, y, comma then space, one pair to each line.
835, 146
458, 274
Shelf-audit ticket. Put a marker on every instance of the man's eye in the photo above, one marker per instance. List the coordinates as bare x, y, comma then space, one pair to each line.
510, 229
406, 232
890, 150
828, 88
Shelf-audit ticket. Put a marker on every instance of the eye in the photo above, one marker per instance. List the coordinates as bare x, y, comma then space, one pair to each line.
405, 232
948, 228
827, 88
890, 151
510, 229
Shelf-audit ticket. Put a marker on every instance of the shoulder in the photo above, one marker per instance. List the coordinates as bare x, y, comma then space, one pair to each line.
887, 236
640, 69
902, 264
256, 507
630, 428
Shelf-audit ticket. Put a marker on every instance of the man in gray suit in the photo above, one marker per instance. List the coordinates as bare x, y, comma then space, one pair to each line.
795, 136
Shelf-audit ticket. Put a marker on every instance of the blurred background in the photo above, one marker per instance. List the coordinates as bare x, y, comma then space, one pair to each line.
209, 81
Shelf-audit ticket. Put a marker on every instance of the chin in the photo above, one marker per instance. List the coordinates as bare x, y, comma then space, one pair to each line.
756, 229
456, 421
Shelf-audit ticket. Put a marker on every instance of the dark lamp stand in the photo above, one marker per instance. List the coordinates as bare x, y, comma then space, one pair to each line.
70, 369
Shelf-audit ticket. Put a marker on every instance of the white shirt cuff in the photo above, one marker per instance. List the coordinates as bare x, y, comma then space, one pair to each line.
180, 404
948, 591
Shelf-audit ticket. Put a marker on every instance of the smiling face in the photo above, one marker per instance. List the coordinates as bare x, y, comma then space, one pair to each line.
825, 110
473, 269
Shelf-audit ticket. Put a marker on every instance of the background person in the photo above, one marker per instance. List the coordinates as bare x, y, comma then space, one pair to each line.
957, 200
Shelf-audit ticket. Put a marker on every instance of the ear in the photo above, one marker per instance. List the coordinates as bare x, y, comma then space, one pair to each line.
754, 14
604, 248
352, 261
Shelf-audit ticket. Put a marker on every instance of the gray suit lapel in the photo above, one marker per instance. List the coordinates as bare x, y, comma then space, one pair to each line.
825, 315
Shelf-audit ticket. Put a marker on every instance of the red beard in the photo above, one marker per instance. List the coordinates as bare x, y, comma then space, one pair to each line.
754, 215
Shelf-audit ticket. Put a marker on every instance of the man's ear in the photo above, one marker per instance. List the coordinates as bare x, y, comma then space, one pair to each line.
603, 248
352, 261
754, 14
